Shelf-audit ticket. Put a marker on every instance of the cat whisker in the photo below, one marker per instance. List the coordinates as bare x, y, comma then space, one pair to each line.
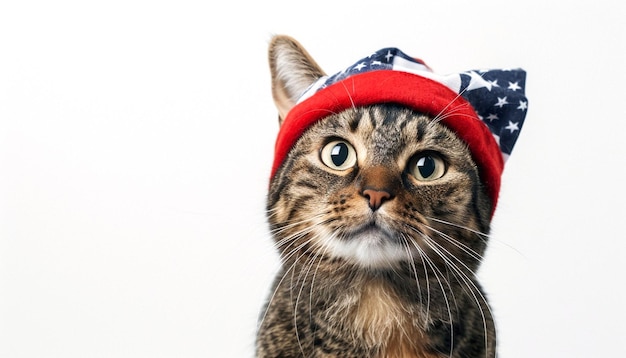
309, 226
285, 259
349, 95
423, 258
445, 112
276, 289
463, 247
437, 273
409, 254
290, 224
479, 233
289, 250
447, 115
460, 94
413, 267
303, 272
445, 254
321, 256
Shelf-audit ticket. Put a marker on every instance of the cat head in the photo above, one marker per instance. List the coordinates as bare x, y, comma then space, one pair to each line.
368, 173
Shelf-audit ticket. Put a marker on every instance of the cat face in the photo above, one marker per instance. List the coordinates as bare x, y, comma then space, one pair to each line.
377, 187
374, 186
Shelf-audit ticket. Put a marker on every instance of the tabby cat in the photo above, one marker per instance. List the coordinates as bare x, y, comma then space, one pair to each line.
380, 213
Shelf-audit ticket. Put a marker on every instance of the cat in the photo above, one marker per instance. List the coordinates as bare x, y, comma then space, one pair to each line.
381, 216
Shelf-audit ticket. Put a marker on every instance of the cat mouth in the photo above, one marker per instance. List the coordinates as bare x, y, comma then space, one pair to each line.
370, 245
372, 231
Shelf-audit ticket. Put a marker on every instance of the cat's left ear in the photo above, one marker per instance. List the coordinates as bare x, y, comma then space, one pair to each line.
293, 70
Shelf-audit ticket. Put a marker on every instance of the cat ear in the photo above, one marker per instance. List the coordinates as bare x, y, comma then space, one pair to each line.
293, 70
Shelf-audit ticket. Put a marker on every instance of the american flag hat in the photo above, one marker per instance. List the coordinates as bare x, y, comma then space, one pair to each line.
485, 108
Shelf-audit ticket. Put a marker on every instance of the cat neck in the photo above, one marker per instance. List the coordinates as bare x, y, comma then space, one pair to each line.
377, 314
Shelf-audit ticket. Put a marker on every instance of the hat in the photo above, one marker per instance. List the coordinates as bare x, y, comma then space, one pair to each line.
485, 108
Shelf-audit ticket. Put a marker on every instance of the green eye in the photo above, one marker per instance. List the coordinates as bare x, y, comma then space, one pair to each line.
339, 155
427, 167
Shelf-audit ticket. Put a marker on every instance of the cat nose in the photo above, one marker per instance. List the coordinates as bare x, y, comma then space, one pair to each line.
376, 197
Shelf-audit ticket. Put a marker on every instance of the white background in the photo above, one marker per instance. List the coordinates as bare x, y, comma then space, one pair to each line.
136, 140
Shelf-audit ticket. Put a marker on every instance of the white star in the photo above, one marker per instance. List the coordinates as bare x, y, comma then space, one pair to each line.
388, 56
512, 126
522, 105
477, 81
514, 86
376, 63
501, 102
494, 83
492, 116
360, 66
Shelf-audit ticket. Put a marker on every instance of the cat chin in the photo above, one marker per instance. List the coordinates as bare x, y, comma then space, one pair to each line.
371, 249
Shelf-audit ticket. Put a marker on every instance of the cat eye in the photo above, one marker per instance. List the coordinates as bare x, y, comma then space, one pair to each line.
427, 167
338, 155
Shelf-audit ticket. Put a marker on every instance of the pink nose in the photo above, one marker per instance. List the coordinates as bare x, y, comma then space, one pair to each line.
376, 197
